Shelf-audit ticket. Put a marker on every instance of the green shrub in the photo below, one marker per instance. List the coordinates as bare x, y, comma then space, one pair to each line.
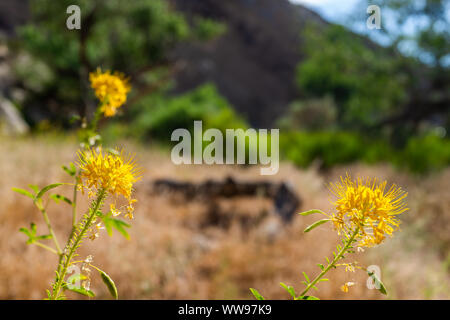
420, 155
159, 116
328, 147
424, 154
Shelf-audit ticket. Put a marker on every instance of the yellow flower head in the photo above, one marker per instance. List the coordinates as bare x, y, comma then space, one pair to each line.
113, 173
367, 204
110, 89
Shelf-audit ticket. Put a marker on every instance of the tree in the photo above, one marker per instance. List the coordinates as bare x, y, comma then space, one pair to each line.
363, 79
421, 30
134, 37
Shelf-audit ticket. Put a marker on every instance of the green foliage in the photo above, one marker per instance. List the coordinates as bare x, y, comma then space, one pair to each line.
256, 294
307, 213
109, 283
32, 236
57, 198
430, 37
121, 35
420, 155
132, 36
329, 148
424, 154
46, 189
207, 29
23, 192
113, 223
80, 290
71, 170
365, 83
378, 284
159, 116
314, 225
289, 289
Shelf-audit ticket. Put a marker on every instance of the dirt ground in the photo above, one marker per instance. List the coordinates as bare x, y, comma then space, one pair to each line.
177, 251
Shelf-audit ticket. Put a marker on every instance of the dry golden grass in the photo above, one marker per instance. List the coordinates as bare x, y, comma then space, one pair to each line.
177, 251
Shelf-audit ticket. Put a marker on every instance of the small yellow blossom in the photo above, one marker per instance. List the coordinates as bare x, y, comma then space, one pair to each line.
110, 89
94, 235
349, 267
347, 285
94, 231
91, 194
365, 204
130, 210
114, 211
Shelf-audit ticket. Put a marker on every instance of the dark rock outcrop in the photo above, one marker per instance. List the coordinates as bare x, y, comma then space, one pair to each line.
253, 64
286, 202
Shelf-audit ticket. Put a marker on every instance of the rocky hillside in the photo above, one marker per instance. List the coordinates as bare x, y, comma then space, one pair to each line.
253, 64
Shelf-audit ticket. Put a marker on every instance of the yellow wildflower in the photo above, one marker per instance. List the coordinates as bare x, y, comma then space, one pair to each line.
114, 211
110, 89
347, 285
365, 204
112, 173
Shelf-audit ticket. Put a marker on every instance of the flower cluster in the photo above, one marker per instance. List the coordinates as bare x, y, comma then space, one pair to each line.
110, 89
368, 206
113, 173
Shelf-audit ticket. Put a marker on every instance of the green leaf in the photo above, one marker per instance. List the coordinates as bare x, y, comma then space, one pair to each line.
72, 171
323, 279
34, 187
256, 294
307, 213
23, 192
117, 224
120, 226
33, 228
109, 283
57, 198
47, 188
31, 233
289, 289
74, 278
44, 237
377, 282
26, 231
306, 276
320, 266
81, 291
316, 224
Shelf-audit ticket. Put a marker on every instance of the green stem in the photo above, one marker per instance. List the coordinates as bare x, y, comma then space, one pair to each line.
96, 119
73, 245
45, 247
74, 206
332, 264
50, 229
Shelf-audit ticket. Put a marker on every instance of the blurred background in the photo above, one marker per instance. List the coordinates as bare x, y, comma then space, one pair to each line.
346, 98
